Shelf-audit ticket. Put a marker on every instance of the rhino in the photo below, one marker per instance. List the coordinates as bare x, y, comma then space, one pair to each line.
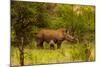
52, 37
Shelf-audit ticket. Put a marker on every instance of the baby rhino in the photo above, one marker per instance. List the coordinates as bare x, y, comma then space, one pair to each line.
52, 37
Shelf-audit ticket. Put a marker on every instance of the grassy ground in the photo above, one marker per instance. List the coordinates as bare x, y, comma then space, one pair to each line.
67, 53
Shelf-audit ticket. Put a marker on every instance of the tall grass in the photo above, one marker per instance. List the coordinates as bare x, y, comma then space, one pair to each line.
67, 53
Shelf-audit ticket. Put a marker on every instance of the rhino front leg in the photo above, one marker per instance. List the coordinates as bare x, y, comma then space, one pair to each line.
59, 44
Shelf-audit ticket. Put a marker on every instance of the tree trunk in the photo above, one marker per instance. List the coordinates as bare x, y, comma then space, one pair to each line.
21, 49
22, 57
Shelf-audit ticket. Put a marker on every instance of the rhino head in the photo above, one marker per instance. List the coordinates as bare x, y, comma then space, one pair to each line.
70, 38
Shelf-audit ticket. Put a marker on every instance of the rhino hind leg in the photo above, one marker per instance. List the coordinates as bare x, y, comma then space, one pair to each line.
52, 43
52, 46
39, 44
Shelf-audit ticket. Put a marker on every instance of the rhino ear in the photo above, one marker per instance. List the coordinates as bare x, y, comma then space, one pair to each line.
67, 31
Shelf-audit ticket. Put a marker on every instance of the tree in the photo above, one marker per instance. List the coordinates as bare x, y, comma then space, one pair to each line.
22, 22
